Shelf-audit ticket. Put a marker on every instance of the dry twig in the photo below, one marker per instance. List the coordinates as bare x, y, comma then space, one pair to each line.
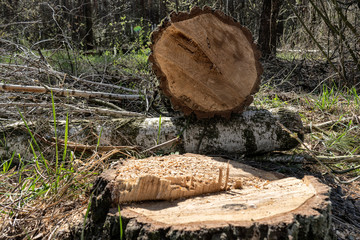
331, 172
66, 92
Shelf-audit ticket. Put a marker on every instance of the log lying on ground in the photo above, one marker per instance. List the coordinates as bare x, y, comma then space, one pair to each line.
206, 62
264, 206
252, 132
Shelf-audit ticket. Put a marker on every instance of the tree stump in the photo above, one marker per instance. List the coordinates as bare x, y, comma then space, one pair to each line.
248, 204
206, 62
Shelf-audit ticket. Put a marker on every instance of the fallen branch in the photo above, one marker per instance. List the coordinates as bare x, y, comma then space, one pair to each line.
164, 144
115, 113
108, 112
278, 158
19, 124
332, 171
103, 111
354, 158
310, 127
62, 75
82, 147
66, 92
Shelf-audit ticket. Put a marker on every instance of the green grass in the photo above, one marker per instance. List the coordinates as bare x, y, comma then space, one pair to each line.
120, 223
328, 99
40, 188
159, 131
76, 63
331, 103
293, 55
270, 102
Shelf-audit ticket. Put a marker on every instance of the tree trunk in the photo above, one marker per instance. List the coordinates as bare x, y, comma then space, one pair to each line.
252, 132
206, 63
250, 203
177, 5
264, 30
275, 9
268, 27
89, 41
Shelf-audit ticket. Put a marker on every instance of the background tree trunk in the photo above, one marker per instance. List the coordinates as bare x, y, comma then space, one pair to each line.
268, 27
264, 30
88, 41
274, 33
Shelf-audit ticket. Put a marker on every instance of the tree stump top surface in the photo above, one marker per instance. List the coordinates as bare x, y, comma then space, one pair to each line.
178, 176
206, 62
252, 195
274, 202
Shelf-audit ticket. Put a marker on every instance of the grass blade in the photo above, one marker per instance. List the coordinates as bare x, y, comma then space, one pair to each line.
56, 138
85, 219
66, 136
36, 144
159, 130
120, 221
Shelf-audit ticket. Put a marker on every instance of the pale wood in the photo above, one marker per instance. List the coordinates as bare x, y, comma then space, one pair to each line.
254, 202
206, 63
176, 176
263, 205
65, 92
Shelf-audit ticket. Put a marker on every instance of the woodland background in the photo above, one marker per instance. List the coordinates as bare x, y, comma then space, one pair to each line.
311, 60
328, 28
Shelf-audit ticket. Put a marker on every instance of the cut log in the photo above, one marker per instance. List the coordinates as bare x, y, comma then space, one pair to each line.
265, 205
251, 132
206, 62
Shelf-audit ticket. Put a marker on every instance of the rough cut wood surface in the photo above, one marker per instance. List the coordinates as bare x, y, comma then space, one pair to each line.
206, 62
264, 205
177, 176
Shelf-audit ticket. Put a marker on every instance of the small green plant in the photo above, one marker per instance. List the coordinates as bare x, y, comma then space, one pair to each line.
327, 99
355, 97
44, 182
7, 164
120, 222
98, 141
36, 144
344, 140
269, 102
159, 131
85, 220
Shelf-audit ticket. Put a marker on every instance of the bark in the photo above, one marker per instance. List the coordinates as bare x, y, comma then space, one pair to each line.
268, 27
264, 30
266, 206
275, 9
89, 41
206, 63
252, 132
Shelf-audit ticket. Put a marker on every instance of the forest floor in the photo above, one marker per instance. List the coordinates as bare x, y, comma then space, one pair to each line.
46, 182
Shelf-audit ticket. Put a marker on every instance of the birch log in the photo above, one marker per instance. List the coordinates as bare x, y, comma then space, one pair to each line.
252, 132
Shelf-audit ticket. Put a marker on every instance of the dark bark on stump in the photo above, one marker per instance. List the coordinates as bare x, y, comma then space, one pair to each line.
311, 220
